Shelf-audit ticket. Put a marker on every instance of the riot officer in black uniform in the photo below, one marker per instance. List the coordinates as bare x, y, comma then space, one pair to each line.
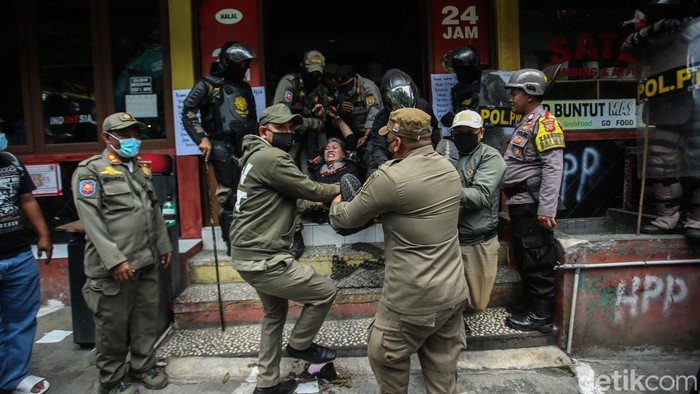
464, 61
668, 48
398, 91
227, 108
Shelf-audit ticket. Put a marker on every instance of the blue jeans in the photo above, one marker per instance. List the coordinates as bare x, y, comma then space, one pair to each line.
19, 304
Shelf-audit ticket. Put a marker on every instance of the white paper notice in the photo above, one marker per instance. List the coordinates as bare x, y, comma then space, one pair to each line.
142, 105
308, 388
184, 146
259, 95
54, 336
441, 86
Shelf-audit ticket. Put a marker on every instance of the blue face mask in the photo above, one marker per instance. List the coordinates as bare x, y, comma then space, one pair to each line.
128, 147
3, 142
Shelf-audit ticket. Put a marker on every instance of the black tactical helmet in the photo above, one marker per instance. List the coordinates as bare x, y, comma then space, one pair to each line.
235, 52
398, 90
532, 81
465, 55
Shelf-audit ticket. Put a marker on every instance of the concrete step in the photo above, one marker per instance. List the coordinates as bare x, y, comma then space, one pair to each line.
358, 294
202, 266
348, 336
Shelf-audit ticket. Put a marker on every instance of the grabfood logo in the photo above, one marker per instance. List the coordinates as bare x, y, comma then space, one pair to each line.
229, 16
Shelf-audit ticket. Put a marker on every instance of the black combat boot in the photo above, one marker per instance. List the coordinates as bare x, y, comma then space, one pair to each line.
285, 387
539, 318
297, 248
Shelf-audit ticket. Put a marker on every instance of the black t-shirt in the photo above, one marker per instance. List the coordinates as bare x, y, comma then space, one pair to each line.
14, 181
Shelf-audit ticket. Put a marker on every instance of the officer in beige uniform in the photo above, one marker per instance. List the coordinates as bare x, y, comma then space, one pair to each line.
264, 219
360, 102
534, 168
417, 196
113, 195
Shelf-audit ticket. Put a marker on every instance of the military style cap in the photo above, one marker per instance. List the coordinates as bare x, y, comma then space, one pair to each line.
314, 61
279, 114
409, 123
121, 120
467, 118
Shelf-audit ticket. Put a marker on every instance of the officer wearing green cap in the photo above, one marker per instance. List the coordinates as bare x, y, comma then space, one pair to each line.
417, 196
305, 95
264, 219
113, 195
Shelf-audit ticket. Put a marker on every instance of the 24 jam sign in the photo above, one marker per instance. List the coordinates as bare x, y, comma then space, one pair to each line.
456, 23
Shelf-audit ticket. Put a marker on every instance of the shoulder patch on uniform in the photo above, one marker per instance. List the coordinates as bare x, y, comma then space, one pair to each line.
241, 106
146, 171
370, 100
549, 134
288, 96
109, 170
87, 188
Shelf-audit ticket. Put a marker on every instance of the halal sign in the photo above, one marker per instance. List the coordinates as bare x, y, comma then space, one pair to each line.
229, 16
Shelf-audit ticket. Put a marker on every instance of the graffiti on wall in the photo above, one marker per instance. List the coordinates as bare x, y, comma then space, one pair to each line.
593, 177
638, 295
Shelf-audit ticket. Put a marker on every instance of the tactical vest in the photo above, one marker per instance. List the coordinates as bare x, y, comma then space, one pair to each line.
233, 112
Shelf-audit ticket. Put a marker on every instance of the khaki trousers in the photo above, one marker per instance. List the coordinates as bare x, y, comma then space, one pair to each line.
276, 286
438, 338
126, 316
480, 267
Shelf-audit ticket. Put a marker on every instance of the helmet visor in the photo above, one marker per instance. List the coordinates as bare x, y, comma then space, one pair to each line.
400, 97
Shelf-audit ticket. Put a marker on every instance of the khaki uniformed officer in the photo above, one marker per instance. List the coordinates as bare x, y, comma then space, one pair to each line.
264, 220
420, 311
126, 238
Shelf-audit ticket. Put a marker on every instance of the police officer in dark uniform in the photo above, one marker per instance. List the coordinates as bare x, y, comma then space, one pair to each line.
465, 62
398, 91
227, 107
664, 48
534, 168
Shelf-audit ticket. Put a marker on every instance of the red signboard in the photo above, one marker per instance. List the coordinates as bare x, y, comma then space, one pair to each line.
455, 23
221, 21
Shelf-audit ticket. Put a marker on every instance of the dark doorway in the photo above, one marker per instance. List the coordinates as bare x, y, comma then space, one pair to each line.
371, 35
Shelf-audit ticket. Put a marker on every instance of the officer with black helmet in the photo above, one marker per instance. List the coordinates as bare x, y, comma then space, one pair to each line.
667, 49
398, 91
227, 108
465, 62
534, 168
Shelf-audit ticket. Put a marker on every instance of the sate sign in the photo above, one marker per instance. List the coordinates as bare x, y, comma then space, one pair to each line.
457, 23
221, 21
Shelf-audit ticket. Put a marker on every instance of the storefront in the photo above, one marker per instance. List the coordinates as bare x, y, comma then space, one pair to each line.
72, 62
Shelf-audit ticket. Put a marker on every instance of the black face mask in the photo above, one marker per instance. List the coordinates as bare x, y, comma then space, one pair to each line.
466, 142
467, 74
310, 80
283, 141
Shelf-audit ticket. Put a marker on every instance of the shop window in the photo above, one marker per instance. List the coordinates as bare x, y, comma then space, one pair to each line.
64, 55
137, 62
586, 43
11, 105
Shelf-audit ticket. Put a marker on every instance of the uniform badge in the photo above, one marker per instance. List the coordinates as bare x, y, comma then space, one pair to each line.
396, 127
529, 117
88, 188
517, 140
146, 171
526, 127
467, 102
113, 158
370, 101
470, 172
241, 106
517, 151
109, 170
549, 135
288, 96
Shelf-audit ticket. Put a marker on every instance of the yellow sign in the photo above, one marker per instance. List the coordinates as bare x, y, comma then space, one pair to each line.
679, 79
502, 117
